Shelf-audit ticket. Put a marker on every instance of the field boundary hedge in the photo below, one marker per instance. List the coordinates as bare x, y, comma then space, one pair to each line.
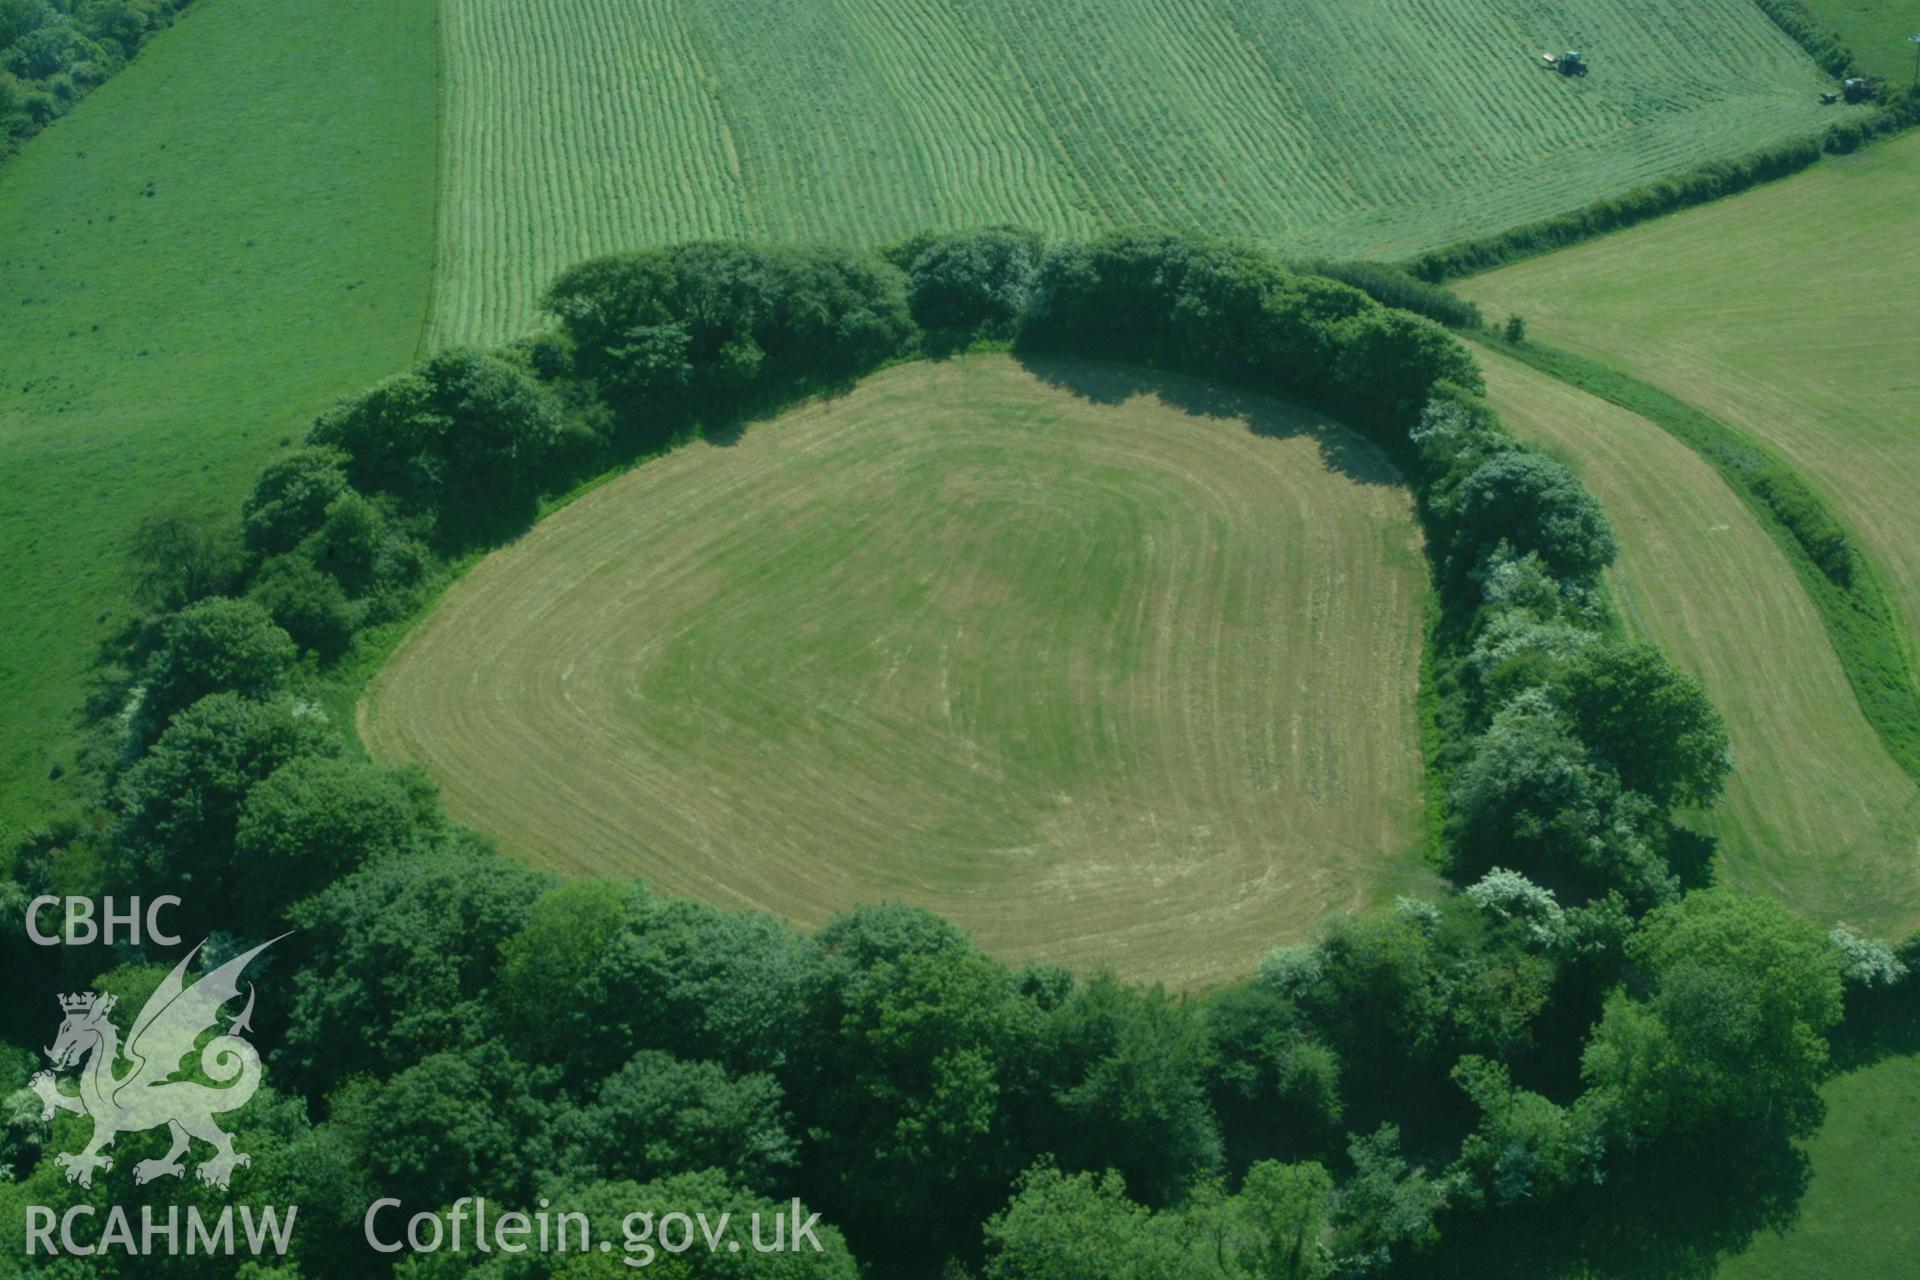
1811, 32
1699, 186
621, 378
1846, 590
1444, 1012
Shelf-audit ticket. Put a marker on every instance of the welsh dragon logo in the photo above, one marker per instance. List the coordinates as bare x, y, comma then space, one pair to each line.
135, 1087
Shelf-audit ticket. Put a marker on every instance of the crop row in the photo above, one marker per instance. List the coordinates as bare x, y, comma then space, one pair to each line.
1369, 127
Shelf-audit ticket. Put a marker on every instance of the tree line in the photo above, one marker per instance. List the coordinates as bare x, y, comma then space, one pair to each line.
1580, 1007
1822, 43
1871, 644
54, 52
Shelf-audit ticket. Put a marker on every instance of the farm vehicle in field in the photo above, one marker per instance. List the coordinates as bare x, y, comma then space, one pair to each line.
1570, 63
1856, 89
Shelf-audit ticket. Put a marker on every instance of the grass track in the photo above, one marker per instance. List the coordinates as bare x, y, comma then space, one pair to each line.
1385, 126
156, 347
1104, 681
1818, 815
1788, 312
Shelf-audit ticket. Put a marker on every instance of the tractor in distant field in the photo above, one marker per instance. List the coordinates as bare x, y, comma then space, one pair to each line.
1570, 63
1862, 88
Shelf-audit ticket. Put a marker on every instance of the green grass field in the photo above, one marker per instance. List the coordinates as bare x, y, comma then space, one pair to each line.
1856, 1218
219, 241
1790, 313
1112, 669
1877, 31
1818, 815
1109, 678
1365, 126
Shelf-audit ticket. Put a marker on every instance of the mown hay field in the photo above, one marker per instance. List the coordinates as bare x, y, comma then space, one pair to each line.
226, 236
1376, 126
1110, 672
1791, 313
1817, 815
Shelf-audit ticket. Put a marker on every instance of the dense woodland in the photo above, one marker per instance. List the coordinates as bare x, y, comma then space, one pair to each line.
1476, 1085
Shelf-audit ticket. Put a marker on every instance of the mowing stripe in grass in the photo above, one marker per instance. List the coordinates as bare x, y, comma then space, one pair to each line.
1788, 313
594, 125
1861, 624
1817, 814
1111, 668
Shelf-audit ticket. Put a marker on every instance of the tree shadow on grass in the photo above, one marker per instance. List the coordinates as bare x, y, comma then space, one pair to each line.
1672, 1218
726, 426
1882, 1021
1342, 450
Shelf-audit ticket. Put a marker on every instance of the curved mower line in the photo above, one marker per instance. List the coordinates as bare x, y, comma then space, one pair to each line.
1112, 670
1702, 575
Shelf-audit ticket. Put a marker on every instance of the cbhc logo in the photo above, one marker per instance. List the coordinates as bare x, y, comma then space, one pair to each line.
80, 929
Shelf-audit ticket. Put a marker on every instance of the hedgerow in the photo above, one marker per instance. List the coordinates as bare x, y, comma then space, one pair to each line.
1847, 593
1697, 186
1782, 489
467, 1025
1395, 286
1822, 43
1898, 111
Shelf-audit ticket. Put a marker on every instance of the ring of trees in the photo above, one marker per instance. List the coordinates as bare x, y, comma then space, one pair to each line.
467, 1026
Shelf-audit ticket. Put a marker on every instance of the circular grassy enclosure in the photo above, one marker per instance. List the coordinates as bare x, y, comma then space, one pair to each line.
1109, 668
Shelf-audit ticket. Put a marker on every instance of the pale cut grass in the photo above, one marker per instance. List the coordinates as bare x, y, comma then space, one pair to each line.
1791, 312
1112, 672
1818, 815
